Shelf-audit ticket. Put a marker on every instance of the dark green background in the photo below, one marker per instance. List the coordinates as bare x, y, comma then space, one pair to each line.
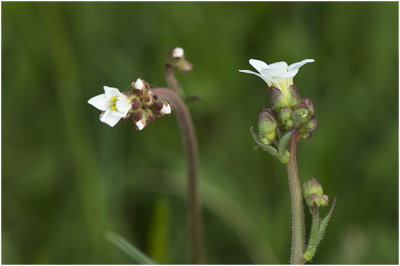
67, 178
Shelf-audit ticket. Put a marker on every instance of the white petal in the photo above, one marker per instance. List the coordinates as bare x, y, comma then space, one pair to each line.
285, 74
111, 92
139, 84
257, 74
140, 125
109, 118
279, 65
166, 109
123, 104
177, 52
99, 101
301, 63
258, 64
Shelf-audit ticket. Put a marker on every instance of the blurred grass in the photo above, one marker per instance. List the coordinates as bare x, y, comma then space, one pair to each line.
67, 178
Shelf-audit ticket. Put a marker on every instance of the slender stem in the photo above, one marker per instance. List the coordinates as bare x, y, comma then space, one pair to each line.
297, 249
171, 80
190, 144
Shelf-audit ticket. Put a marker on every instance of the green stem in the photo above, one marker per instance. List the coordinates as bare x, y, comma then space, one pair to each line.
190, 143
296, 256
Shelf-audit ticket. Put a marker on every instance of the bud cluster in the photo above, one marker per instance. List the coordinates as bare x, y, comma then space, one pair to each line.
145, 105
299, 117
313, 193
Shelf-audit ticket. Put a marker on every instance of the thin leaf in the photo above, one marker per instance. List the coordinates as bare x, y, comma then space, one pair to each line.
129, 249
271, 150
325, 221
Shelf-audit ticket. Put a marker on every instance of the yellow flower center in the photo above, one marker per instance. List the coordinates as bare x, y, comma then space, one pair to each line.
113, 101
287, 70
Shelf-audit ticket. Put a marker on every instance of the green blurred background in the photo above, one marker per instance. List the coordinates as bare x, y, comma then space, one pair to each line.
67, 178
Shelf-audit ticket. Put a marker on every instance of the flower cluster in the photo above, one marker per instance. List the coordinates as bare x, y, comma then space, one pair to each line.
137, 104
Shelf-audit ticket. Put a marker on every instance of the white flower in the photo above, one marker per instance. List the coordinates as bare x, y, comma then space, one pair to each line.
166, 109
114, 105
279, 74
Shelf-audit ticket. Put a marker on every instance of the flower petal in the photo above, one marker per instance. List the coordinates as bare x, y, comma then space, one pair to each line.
99, 101
111, 92
289, 74
109, 118
282, 65
254, 73
258, 64
123, 104
140, 125
166, 109
299, 64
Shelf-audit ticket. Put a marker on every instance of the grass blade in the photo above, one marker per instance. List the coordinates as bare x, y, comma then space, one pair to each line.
128, 248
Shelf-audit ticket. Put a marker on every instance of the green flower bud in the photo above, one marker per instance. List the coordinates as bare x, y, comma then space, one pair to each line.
266, 126
285, 113
312, 125
289, 123
306, 102
312, 187
313, 192
301, 116
320, 200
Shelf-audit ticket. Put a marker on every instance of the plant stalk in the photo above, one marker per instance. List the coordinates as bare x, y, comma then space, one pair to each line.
190, 145
171, 80
297, 248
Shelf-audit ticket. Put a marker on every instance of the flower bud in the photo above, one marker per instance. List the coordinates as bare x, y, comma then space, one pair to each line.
176, 59
135, 104
266, 126
285, 113
289, 123
301, 116
147, 98
307, 102
312, 125
139, 86
313, 192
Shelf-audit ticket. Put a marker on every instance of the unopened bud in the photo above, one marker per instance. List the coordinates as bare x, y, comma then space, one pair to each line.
313, 192
286, 113
312, 125
176, 59
135, 104
289, 123
301, 116
266, 126
307, 102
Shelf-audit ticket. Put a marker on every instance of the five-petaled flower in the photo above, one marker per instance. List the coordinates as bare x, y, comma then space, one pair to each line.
278, 75
113, 104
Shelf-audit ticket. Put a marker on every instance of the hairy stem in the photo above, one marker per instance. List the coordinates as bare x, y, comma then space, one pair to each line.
296, 256
190, 145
